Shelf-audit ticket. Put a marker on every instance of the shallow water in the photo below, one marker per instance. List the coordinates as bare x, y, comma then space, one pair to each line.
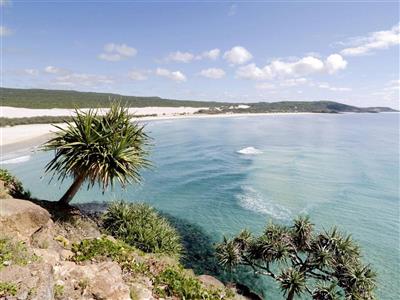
340, 169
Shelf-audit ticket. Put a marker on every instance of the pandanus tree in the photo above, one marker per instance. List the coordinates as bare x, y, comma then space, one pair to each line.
96, 148
325, 265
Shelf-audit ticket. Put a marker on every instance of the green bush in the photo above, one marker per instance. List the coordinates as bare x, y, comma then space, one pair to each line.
7, 289
174, 282
12, 252
141, 226
13, 186
103, 247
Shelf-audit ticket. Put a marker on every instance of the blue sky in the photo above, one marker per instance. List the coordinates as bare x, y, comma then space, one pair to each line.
223, 51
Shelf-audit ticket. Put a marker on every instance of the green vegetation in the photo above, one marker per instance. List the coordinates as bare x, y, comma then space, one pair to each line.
14, 253
169, 278
12, 186
46, 120
58, 290
98, 149
141, 226
38, 98
7, 289
174, 282
326, 265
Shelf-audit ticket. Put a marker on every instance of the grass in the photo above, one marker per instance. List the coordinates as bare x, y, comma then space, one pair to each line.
58, 290
8, 289
14, 253
141, 226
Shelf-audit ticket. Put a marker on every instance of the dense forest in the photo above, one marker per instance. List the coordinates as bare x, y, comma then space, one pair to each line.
40, 98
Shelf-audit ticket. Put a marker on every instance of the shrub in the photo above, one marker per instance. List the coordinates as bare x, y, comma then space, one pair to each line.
97, 249
174, 282
13, 186
141, 226
14, 253
7, 289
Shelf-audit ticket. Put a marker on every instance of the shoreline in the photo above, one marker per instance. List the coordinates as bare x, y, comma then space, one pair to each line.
16, 137
26, 137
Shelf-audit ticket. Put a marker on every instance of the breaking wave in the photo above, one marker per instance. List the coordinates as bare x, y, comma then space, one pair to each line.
16, 160
252, 200
249, 151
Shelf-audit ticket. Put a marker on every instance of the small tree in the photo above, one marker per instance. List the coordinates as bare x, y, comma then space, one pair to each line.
324, 265
98, 149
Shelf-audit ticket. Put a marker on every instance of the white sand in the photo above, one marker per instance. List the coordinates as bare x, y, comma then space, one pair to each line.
17, 112
22, 133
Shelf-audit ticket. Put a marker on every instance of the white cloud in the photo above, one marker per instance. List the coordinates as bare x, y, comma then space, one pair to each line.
138, 75
334, 63
213, 73
280, 69
294, 82
374, 41
332, 88
82, 79
265, 86
237, 55
31, 72
55, 70
117, 52
179, 56
173, 75
212, 54
4, 31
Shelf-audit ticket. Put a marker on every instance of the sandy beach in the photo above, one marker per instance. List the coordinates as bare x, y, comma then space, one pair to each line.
30, 135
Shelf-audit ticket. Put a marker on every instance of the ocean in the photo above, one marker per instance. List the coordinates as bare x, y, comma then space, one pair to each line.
226, 174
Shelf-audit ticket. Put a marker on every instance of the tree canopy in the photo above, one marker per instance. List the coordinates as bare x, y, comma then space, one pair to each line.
325, 265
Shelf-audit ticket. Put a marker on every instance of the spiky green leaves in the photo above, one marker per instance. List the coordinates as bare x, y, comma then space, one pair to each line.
308, 261
292, 282
104, 148
141, 226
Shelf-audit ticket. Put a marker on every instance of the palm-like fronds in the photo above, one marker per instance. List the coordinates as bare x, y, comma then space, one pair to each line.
99, 149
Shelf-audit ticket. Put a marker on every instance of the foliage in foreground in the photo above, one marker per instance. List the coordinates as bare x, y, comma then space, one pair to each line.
141, 226
16, 253
325, 265
8, 289
173, 281
98, 149
169, 279
13, 186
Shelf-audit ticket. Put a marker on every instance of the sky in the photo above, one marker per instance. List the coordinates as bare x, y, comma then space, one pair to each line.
244, 51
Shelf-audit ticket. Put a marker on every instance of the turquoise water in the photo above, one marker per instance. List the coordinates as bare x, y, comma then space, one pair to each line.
340, 169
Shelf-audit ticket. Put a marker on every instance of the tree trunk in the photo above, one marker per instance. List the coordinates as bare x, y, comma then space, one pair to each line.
291, 294
70, 193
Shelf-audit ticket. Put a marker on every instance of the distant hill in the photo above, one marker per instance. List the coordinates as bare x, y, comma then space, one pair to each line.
41, 98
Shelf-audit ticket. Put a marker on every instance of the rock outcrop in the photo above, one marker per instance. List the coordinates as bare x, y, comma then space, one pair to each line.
36, 259
21, 219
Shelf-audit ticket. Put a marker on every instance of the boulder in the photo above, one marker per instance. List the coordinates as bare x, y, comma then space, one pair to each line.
92, 281
20, 219
211, 282
34, 280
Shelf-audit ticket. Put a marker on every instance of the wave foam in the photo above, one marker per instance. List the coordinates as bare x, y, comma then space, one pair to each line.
249, 151
16, 160
252, 200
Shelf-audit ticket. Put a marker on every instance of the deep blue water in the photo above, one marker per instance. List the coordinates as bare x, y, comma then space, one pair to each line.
339, 169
